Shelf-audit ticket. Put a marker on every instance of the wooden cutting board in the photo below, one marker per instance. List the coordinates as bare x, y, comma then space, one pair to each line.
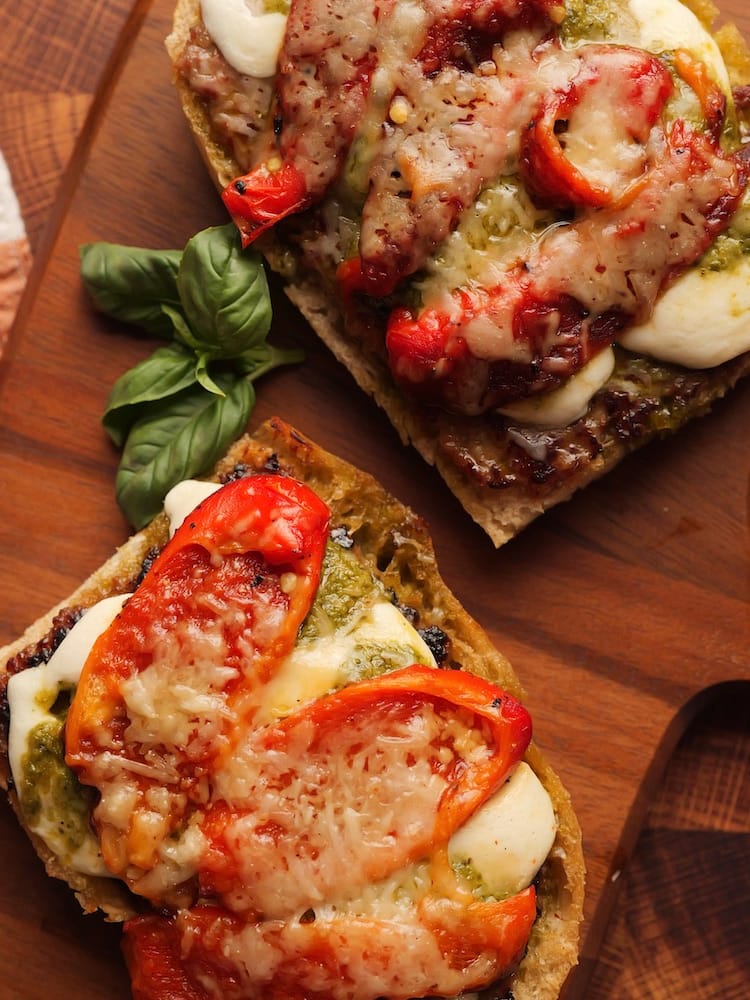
624, 611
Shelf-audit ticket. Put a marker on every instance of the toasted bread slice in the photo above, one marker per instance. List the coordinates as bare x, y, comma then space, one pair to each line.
504, 474
395, 545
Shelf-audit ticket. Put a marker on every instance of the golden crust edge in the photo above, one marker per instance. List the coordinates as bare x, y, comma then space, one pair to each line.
393, 539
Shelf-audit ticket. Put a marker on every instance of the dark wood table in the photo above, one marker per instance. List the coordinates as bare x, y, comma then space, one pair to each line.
626, 611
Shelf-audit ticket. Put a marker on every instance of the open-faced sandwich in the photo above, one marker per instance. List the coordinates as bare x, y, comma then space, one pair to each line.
521, 224
267, 738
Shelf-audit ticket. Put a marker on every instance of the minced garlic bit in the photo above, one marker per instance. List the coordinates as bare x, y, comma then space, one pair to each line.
399, 110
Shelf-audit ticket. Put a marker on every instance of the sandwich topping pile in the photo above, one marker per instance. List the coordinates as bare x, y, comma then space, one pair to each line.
531, 216
297, 794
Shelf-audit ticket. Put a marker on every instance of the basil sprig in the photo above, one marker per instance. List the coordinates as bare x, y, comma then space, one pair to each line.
175, 413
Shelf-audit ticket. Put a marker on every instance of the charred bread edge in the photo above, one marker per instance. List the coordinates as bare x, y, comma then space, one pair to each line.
500, 513
396, 544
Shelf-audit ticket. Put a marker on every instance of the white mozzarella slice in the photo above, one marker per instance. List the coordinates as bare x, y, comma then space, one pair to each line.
183, 498
562, 406
507, 840
701, 321
249, 38
31, 696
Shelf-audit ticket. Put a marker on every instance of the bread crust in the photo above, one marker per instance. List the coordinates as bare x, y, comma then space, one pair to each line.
395, 543
502, 505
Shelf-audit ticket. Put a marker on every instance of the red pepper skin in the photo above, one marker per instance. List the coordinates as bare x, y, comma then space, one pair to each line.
551, 178
427, 347
152, 944
152, 954
463, 926
274, 515
261, 198
509, 721
233, 551
277, 517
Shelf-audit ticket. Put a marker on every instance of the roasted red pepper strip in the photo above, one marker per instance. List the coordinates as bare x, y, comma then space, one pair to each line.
271, 516
218, 610
460, 949
337, 727
643, 84
500, 926
447, 937
152, 953
261, 198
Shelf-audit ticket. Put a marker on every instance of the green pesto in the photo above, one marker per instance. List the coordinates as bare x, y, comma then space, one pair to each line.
466, 871
586, 21
346, 584
347, 591
372, 659
728, 248
666, 394
47, 778
276, 6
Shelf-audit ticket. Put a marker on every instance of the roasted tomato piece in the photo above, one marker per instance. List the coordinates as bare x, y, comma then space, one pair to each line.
263, 197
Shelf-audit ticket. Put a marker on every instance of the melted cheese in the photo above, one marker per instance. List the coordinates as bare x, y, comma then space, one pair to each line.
701, 321
249, 37
503, 842
568, 403
507, 840
31, 697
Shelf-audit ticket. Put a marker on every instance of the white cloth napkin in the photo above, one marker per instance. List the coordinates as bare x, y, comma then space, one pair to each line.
15, 255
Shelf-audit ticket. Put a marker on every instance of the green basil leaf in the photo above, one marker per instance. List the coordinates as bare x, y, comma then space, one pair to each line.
176, 439
168, 371
203, 376
224, 293
133, 284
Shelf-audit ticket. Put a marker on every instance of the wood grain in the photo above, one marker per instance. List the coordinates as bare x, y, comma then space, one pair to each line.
623, 611
681, 925
54, 57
